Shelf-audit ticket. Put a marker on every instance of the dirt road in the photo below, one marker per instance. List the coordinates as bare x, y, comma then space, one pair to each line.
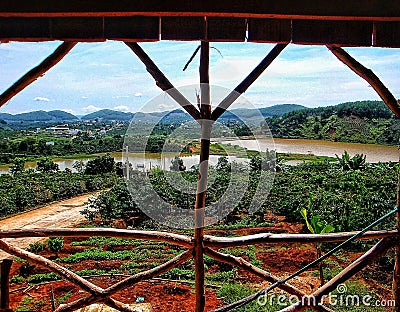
62, 214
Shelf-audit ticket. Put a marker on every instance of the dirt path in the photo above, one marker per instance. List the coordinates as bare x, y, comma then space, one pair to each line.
61, 214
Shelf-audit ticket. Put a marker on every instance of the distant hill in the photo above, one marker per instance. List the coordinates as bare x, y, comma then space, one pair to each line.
280, 109
39, 116
248, 114
361, 122
108, 115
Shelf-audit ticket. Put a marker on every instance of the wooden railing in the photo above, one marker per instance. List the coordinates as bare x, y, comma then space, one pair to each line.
211, 246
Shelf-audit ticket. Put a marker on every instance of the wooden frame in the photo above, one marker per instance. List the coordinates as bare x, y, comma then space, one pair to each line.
99, 11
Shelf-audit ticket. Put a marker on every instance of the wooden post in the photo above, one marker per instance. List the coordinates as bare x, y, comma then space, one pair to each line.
369, 76
206, 125
396, 271
37, 72
5, 285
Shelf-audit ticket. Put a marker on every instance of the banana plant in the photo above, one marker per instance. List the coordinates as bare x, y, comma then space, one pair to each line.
316, 226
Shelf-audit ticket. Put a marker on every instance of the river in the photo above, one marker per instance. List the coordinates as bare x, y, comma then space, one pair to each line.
375, 153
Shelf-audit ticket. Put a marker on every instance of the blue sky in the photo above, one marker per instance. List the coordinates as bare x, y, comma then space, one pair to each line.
108, 75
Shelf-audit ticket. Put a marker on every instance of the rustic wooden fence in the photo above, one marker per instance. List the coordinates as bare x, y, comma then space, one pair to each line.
211, 244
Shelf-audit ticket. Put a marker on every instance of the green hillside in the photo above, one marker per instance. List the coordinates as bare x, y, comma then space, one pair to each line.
361, 122
108, 115
39, 116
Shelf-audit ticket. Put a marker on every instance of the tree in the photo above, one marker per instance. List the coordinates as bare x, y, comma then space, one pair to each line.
223, 164
99, 165
46, 165
17, 166
79, 166
177, 164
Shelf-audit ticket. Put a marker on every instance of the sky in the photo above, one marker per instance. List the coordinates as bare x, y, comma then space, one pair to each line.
95, 76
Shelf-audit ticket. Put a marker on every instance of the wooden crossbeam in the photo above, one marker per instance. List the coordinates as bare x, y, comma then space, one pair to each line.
209, 240
162, 81
369, 76
108, 292
261, 238
36, 72
316, 9
167, 237
248, 81
56, 268
370, 256
247, 266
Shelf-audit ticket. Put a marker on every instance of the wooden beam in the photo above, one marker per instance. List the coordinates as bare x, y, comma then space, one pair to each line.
247, 82
370, 256
171, 238
369, 76
200, 204
5, 267
396, 270
54, 267
269, 30
374, 253
347, 33
387, 34
270, 238
36, 72
316, 9
82, 302
132, 28
226, 29
183, 28
162, 82
247, 266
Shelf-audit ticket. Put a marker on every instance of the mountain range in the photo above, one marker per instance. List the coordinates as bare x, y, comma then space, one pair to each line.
111, 115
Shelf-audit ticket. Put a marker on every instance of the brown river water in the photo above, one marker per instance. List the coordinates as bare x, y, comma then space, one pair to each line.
375, 153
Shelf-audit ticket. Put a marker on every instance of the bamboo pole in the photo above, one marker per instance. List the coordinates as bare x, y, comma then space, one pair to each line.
106, 293
369, 76
170, 238
206, 125
248, 81
396, 271
371, 255
262, 238
162, 81
37, 72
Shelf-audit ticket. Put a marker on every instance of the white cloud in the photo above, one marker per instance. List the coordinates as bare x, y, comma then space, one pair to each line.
120, 97
71, 111
85, 97
41, 99
137, 94
122, 108
91, 108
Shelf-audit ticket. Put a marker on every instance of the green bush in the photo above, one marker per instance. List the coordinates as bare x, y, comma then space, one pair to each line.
55, 244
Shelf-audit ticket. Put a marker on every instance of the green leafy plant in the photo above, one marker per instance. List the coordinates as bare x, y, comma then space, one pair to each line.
36, 247
357, 162
55, 244
316, 226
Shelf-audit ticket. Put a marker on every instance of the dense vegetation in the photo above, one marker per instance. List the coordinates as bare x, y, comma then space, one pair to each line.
361, 122
347, 199
26, 189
